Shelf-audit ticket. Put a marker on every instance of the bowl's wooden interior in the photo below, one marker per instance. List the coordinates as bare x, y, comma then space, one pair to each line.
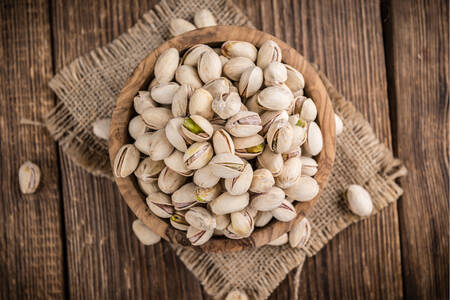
124, 111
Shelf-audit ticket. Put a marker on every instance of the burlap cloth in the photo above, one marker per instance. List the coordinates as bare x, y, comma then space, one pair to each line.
88, 87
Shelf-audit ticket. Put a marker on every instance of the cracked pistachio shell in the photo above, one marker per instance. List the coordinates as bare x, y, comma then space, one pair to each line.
299, 234
192, 55
309, 166
160, 147
314, 141
184, 198
178, 221
169, 181
275, 74
179, 26
295, 80
292, 169
142, 101
186, 74
137, 127
263, 218
218, 87
250, 82
240, 184
198, 237
227, 203
175, 135
126, 161
101, 128
148, 169
160, 204
175, 163
279, 136
293, 152
144, 234
236, 295
200, 104
205, 178
163, 92
242, 223
198, 155
285, 212
243, 124
262, 181
308, 110
180, 100
280, 241
204, 18
338, 124
200, 218
234, 68
304, 189
298, 131
222, 142
232, 49
166, 65
209, 66
358, 200
227, 165
249, 147
269, 52
227, 105
206, 195
197, 128
269, 200
275, 98
269, 117
222, 221
271, 161
252, 104
148, 186
156, 117
29, 177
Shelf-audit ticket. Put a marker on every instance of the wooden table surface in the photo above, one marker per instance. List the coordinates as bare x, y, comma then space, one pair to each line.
73, 237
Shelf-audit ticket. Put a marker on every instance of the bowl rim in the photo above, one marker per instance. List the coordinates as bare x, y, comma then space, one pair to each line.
123, 112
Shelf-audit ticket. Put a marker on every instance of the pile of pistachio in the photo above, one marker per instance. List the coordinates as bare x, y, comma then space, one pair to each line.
224, 140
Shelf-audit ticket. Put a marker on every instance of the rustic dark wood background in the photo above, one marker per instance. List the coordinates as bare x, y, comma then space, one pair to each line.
73, 237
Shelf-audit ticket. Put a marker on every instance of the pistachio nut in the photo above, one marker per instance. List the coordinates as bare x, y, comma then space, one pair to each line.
232, 49
222, 142
142, 101
243, 124
153, 83
209, 66
250, 82
307, 110
227, 203
197, 128
206, 195
200, 218
249, 147
358, 200
101, 128
236, 295
338, 124
240, 184
148, 186
275, 98
279, 136
166, 65
295, 80
29, 177
184, 198
144, 234
148, 169
271, 161
299, 234
175, 162
298, 131
163, 92
179, 26
285, 212
175, 135
293, 152
204, 18
169, 181
200, 104
269, 200
262, 181
144, 142
218, 87
137, 127
186, 74
160, 147
263, 218
222, 221
234, 68
309, 166
198, 155
227, 165
126, 161
252, 104
198, 237
269, 117
292, 169
269, 52
160, 204
280, 241
156, 117
227, 105
314, 141
242, 223
223, 60
180, 100
304, 189
192, 55
205, 178
275, 74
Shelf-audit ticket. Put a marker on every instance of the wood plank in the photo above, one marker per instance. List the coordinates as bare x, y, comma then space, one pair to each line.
105, 260
31, 232
418, 68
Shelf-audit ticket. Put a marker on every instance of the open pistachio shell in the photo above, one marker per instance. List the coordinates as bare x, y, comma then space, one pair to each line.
160, 147
218, 87
205, 195
186, 74
126, 161
279, 136
169, 181
166, 65
144, 234
198, 237
269, 117
180, 100
200, 104
200, 218
142, 101
192, 55
275, 98
148, 169
250, 82
178, 221
156, 117
236, 66
269, 200
271, 161
227, 165
227, 203
314, 141
198, 155
299, 234
275, 74
307, 110
299, 127
227, 105
243, 124
205, 178
160, 204
309, 166
240, 184
175, 135
304, 189
252, 104
249, 147
291, 171
29, 177
176, 163
197, 128
285, 212
148, 186
262, 181
295, 80
222, 142
137, 127
232, 49
184, 198
242, 223
163, 92
269, 52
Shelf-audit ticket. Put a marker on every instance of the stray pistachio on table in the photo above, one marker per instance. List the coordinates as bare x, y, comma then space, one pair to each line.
29, 177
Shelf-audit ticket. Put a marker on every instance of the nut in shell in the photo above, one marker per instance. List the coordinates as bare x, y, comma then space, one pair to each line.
285, 212
197, 128
218, 87
240, 184
175, 134
236, 66
186, 74
200, 218
270, 117
307, 110
227, 165
144, 234
358, 200
249, 147
198, 155
166, 65
142, 101
269, 52
156, 117
200, 104
252, 104
222, 142
291, 171
198, 237
209, 66
137, 127
232, 49
205, 178
148, 186
304, 189
192, 55
271, 161
206, 195
262, 181
160, 204
180, 100
250, 82
263, 218
294, 80
179, 26
227, 203
243, 124
101, 128
309, 166
242, 223
280, 241
275, 74
222, 221
275, 98
169, 181
163, 92
227, 105
126, 161
269, 200
299, 127
160, 147
204, 18
184, 198
148, 169
175, 162
178, 221
279, 136
29, 177
314, 140
299, 234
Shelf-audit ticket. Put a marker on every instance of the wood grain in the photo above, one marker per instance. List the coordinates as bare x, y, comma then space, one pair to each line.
31, 238
419, 82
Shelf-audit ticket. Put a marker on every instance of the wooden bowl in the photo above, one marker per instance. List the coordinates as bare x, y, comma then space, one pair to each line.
140, 79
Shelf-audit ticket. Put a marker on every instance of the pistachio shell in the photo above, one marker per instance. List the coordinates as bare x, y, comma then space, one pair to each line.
309, 166
252, 104
204, 18
234, 68
205, 195
126, 161
295, 80
269, 200
178, 221
291, 171
280, 241
186, 74
144, 234
314, 141
304, 189
198, 237
279, 136
160, 147
166, 65
148, 169
293, 152
169, 181
299, 234
227, 165
223, 60
142, 101
242, 223
209, 66
227, 203
180, 26
180, 100
236, 295
232, 49
218, 87
275, 98
275, 74
240, 184
262, 181
200, 218
269, 52
222, 221
192, 55
358, 200
163, 92
175, 135
243, 124
298, 131
197, 128
285, 212
263, 218
198, 155
308, 110
222, 142
148, 186
338, 124
227, 105
271, 161
160, 204
200, 104
205, 178
184, 198
269, 117
176, 163
250, 82
29, 177
156, 117
249, 147
137, 127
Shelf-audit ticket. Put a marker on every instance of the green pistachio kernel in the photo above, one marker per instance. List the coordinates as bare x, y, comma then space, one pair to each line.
256, 149
301, 123
192, 126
